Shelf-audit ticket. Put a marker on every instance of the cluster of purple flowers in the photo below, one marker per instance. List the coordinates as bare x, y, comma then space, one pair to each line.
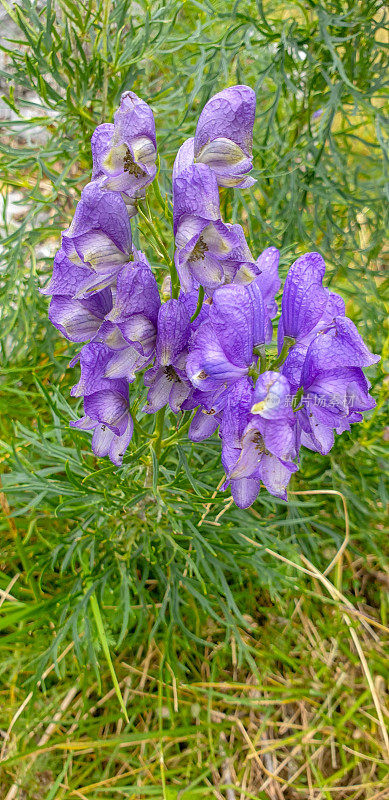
204, 351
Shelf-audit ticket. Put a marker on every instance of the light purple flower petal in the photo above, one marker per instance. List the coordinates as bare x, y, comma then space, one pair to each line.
269, 281
94, 358
245, 491
101, 440
224, 134
304, 298
109, 407
101, 211
275, 475
100, 142
195, 193
184, 158
160, 382
270, 398
340, 346
203, 425
66, 277
208, 366
119, 444
79, 320
173, 331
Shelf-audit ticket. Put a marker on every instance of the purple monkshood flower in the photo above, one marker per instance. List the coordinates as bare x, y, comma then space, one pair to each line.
254, 445
334, 388
209, 412
203, 241
80, 320
307, 307
136, 306
107, 414
167, 379
224, 138
124, 152
222, 348
98, 239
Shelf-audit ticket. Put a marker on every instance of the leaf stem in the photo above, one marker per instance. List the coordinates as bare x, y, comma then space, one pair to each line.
159, 431
106, 13
288, 343
103, 639
199, 304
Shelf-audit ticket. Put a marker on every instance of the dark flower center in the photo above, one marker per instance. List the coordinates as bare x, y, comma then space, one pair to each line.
199, 250
202, 375
258, 441
171, 373
130, 166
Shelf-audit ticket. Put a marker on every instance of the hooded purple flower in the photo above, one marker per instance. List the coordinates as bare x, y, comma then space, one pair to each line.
107, 414
307, 307
167, 379
222, 348
253, 446
80, 320
124, 153
224, 136
268, 279
98, 239
335, 390
203, 241
136, 307
209, 412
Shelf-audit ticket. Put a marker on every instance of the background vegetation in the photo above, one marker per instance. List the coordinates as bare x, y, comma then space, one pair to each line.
165, 644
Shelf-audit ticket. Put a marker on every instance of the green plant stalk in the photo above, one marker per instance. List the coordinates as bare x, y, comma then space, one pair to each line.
106, 13
288, 343
103, 639
159, 431
199, 303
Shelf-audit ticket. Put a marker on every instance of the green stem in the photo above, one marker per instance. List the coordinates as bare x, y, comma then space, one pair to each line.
103, 639
159, 431
288, 342
199, 304
176, 436
164, 253
106, 13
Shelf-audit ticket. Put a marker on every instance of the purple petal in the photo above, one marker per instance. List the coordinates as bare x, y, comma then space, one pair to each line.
178, 393
173, 331
245, 491
208, 365
108, 407
160, 384
79, 320
101, 440
237, 413
232, 318
230, 115
101, 211
100, 142
340, 346
66, 277
134, 118
184, 158
195, 193
119, 444
304, 298
268, 281
94, 358
136, 293
275, 475
203, 425
228, 161
271, 394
